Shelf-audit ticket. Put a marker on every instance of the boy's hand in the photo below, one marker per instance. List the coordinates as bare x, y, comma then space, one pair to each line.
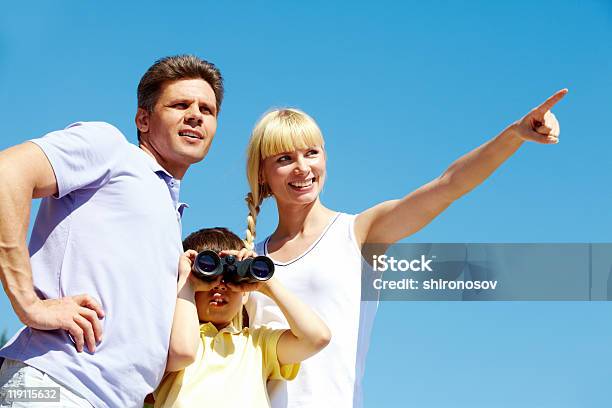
186, 263
245, 287
186, 277
263, 287
241, 255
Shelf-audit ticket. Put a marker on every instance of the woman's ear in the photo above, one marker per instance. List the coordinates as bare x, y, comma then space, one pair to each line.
264, 189
245, 298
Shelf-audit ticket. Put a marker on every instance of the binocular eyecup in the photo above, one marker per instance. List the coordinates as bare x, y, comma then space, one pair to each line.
208, 266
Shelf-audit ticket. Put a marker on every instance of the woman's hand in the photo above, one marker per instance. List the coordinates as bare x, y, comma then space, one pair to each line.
540, 125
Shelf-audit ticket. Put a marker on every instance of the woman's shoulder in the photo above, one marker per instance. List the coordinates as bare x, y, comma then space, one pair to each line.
343, 218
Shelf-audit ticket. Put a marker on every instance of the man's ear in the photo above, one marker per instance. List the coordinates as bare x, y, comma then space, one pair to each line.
245, 297
142, 120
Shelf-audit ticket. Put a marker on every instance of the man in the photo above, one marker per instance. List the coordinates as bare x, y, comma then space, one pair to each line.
97, 294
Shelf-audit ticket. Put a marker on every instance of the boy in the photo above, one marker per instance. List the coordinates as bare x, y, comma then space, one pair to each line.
212, 359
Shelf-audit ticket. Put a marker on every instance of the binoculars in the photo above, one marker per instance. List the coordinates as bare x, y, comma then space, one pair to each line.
208, 266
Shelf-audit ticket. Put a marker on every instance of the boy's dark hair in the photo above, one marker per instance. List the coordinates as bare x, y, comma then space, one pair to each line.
215, 239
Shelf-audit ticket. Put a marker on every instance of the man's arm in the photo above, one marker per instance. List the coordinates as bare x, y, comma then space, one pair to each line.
27, 174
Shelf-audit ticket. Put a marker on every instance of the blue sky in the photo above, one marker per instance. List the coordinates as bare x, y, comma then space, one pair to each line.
400, 90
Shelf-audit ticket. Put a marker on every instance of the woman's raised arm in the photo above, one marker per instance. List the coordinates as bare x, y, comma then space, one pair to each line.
393, 220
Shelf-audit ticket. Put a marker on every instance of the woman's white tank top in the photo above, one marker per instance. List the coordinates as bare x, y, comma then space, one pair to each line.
327, 277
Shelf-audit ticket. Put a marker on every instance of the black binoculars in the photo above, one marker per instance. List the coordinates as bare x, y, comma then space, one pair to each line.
208, 266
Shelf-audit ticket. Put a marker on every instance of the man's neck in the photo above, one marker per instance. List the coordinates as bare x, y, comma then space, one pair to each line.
175, 171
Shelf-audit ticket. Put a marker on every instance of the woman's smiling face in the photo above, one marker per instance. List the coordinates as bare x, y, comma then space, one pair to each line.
295, 177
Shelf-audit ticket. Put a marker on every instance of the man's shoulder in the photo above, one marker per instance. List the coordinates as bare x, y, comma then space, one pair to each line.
86, 154
84, 136
103, 129
100, 139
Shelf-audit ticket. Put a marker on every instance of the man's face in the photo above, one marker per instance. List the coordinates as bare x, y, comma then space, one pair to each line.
179, 130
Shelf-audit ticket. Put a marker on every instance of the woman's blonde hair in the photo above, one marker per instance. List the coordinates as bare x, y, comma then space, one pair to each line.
278, 131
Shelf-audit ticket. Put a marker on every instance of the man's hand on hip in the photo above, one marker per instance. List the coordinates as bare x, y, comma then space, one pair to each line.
79, 315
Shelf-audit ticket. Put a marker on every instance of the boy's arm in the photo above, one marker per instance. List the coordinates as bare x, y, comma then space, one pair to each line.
308, 334
185, 334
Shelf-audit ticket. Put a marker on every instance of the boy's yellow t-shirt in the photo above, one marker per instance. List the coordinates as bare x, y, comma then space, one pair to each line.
231, 370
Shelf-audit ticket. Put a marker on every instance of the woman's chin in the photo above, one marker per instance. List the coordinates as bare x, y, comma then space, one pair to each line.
304, 199
302, 196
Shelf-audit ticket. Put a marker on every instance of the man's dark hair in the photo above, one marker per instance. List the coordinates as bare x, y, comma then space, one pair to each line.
175, 68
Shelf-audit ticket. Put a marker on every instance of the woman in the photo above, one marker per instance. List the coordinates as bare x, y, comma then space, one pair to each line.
318, 252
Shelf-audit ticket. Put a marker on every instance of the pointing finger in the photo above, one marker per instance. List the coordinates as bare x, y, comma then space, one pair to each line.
550, 102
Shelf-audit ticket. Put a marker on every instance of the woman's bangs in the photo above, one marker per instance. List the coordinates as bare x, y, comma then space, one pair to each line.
283, 137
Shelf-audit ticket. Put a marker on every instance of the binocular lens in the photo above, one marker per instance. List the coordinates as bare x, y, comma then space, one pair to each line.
260, 268
207, 263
